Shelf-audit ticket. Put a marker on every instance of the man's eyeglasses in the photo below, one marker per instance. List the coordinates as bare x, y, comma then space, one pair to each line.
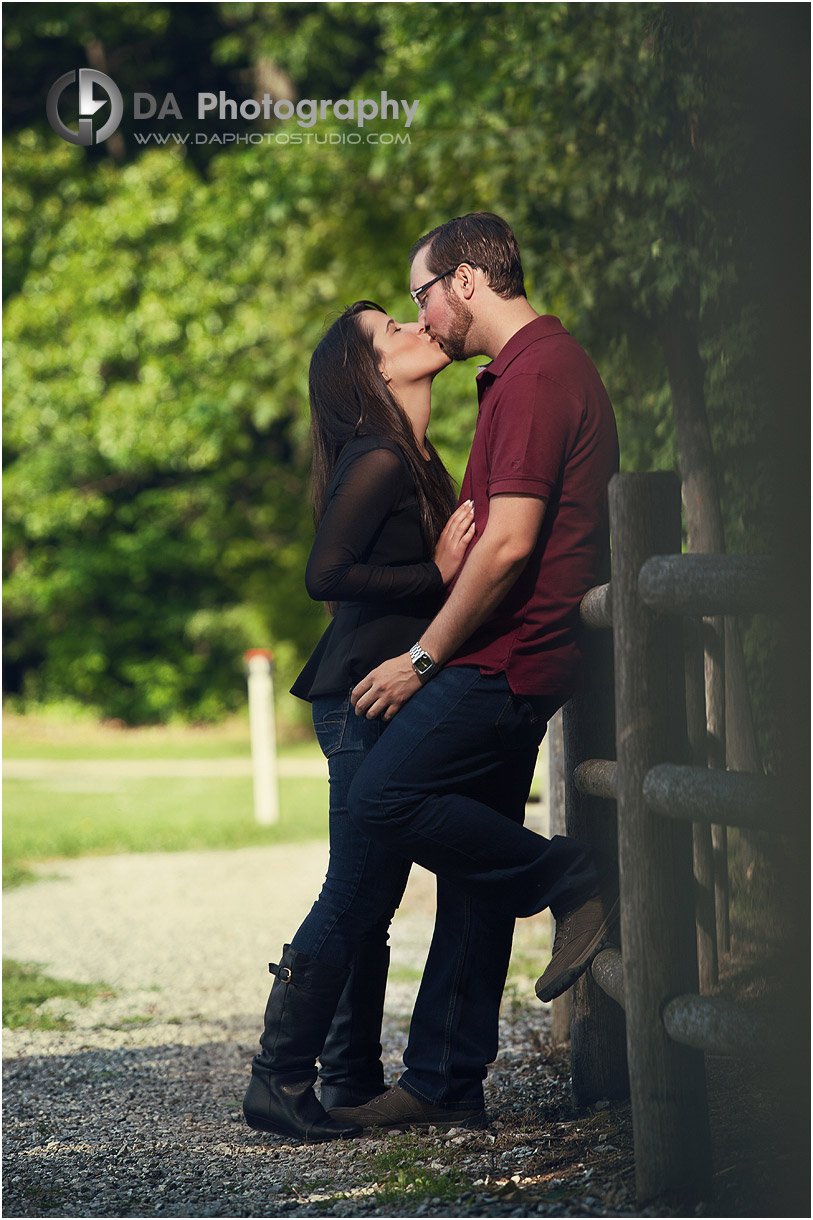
424, 288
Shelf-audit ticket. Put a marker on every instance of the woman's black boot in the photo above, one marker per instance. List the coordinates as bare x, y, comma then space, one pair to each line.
351, 1072
301, 1005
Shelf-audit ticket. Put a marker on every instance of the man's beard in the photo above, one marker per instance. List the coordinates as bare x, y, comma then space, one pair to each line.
454, 343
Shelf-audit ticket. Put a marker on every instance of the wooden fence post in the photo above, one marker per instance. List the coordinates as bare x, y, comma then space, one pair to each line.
262, 724
707, 960
670, 1118
560, 1007
714, 641
597, 1027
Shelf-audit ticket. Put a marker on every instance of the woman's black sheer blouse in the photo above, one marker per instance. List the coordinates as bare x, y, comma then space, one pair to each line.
370, 556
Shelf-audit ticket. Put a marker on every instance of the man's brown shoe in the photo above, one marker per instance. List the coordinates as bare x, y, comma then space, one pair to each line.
397, 1108
580, 934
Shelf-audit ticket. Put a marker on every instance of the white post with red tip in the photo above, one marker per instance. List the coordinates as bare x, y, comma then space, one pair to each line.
263, 735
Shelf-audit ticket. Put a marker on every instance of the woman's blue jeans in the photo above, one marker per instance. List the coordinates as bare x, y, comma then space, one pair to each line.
364, 882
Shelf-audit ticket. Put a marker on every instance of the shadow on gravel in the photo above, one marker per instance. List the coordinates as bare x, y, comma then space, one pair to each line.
159, 1131
137, 1131
155, 1131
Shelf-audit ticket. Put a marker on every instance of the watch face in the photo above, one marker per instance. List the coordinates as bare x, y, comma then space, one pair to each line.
423, 664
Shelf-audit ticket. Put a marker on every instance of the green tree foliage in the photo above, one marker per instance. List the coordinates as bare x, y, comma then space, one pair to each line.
162, 304
624, 142
155, 423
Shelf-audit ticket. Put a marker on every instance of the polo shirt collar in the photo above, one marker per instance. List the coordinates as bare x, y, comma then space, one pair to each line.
539, 328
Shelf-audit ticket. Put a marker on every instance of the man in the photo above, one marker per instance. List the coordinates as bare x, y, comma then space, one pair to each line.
447, 783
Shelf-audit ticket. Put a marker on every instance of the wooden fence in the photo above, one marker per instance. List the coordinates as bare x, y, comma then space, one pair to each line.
638, 766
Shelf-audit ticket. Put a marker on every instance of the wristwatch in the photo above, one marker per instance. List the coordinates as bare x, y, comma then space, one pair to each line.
422, 663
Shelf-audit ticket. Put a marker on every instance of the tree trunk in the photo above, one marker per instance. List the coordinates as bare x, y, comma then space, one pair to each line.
701, 498
705, 534
97, 58
704, 518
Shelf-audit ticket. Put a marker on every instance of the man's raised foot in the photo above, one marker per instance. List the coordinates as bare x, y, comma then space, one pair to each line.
580, 935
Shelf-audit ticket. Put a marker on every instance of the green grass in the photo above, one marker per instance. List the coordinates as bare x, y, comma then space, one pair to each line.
410, 1167
16, 874
26, 987
69, 816
49, 820
51, 735
405, 974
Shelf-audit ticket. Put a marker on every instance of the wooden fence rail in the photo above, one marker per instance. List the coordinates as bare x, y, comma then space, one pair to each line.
667, 795
700, 795
710, 584
704, 1022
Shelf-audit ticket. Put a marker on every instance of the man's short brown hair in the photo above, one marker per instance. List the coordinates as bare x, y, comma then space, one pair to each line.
481, 239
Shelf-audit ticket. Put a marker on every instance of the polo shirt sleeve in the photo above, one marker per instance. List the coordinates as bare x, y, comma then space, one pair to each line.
534, 427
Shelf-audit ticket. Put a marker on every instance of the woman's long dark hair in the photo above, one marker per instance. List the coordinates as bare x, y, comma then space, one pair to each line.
349, 397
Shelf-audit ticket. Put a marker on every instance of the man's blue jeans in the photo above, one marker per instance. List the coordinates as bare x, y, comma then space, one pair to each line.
454, 1023
467, 739
446, 786
454, 1028
453, 1033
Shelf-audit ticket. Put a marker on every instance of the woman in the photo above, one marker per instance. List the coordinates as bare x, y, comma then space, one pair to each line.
386, 546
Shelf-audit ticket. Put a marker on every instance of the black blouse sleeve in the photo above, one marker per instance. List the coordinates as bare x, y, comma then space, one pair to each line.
365, 495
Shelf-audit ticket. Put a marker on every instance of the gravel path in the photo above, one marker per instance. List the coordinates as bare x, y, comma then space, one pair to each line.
182, 939
136, 1110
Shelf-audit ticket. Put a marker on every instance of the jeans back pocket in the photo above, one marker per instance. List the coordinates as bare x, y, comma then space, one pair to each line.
329, 720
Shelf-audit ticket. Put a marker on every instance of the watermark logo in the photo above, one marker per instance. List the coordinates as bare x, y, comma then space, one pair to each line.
304, 113
88, 77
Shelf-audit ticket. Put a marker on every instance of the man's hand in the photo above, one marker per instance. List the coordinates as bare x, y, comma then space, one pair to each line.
386, 688
492, 565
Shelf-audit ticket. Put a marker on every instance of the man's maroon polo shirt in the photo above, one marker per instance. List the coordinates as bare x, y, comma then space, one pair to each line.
545, 428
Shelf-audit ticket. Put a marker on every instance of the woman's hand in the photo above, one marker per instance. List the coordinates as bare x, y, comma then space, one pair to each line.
452, 543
